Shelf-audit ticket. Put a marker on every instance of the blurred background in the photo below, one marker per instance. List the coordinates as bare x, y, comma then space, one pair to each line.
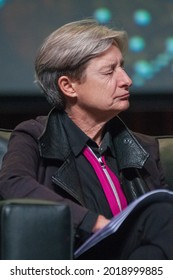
24, 24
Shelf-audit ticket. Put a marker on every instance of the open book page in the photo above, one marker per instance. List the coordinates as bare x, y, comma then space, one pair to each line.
116, 222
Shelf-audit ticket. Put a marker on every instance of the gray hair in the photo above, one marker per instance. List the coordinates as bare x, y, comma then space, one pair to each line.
68, 50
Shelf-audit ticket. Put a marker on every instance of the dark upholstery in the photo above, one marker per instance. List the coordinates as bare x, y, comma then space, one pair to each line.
32, 229
35, 230
166, 154
4, 137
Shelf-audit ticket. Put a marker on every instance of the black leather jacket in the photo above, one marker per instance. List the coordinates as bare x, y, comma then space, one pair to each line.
137, 157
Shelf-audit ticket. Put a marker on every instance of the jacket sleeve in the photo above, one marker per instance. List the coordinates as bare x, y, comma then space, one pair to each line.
19, 173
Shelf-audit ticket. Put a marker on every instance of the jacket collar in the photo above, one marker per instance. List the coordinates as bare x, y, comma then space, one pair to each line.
129, 152
53, 142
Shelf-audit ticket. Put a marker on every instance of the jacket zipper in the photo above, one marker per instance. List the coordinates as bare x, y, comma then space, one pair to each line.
111, 183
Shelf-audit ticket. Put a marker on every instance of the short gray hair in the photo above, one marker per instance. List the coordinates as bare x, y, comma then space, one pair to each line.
67, 51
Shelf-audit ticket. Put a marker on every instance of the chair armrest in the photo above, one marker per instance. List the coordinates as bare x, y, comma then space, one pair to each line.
35, 230
166, 156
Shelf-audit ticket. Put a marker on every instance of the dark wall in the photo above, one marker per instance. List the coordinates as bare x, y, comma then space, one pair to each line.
152, 123
151, 114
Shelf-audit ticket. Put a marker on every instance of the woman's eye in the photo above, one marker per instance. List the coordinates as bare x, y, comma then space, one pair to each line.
109, 72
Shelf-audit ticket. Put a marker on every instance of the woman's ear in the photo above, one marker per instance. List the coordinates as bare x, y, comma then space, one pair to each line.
67, 86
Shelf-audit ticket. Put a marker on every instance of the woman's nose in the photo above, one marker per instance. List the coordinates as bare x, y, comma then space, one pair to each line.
125, 78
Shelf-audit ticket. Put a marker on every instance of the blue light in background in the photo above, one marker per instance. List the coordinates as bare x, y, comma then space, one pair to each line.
136, 44
142, 17
103, 15
144, 69
2, 3
169, 45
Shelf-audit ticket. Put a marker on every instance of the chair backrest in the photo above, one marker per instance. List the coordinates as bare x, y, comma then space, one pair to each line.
35, 230
166, 156
4, 137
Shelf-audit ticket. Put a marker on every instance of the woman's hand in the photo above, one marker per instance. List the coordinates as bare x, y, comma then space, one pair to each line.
100, 223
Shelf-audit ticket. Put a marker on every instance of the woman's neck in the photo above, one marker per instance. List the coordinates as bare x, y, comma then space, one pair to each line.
92, 128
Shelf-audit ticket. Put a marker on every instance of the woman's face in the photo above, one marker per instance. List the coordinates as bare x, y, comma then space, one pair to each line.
105, 89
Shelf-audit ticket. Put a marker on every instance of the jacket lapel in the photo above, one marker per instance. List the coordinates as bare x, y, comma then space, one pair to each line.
131, 158
53, 144
129, 152
67, 177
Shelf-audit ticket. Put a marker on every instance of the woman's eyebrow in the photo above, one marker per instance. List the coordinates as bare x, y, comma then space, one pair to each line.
112, 65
